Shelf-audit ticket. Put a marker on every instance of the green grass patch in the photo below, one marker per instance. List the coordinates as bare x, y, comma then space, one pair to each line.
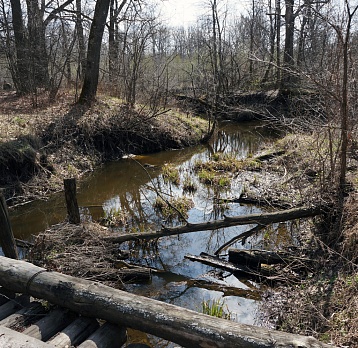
216, 308
174, 208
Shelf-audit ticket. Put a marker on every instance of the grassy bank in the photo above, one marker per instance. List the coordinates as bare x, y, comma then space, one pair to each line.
40, 146
323, 300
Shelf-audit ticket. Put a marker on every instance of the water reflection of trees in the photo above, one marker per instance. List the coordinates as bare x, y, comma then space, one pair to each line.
231, 139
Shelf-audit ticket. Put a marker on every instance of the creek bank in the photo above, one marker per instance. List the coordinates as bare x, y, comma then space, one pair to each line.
272, 105
40, 147
323, 301
289, 175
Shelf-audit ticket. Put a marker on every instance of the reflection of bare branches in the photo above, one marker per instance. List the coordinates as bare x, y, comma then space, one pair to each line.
242, 236
160, 195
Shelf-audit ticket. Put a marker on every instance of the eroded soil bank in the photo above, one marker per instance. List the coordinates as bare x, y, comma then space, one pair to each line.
41, 146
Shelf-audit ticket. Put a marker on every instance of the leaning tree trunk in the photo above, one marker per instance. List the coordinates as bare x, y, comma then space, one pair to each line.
89, 89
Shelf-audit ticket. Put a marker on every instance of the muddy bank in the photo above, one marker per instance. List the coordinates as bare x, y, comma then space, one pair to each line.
38, 148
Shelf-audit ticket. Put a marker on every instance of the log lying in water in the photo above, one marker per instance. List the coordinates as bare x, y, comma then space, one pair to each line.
255, 258
261, 219
182, 326
239, 270
226, 290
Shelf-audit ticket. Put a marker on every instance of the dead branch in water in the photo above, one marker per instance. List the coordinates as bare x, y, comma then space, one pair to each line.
261, 219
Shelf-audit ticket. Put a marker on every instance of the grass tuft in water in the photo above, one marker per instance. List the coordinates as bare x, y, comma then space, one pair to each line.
175, 208
171, 174
114, 217
215, 308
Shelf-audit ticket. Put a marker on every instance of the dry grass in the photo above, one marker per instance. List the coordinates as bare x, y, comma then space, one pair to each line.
77, 250
325, 301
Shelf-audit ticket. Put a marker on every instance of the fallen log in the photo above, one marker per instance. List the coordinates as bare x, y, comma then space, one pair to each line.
51, 324
179, 325
239, 270
243, 236
108, 335
255, 258
228, 221
226, 290
24, 317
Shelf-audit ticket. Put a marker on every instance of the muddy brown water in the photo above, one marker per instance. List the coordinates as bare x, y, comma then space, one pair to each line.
126, 186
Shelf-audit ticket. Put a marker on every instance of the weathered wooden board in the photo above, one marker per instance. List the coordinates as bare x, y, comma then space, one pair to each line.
14, 339
182, 326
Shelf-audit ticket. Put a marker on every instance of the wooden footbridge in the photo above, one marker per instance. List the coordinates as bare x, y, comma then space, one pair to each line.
88, 314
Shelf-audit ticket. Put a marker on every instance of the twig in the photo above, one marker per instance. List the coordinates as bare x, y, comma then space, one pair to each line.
242, 236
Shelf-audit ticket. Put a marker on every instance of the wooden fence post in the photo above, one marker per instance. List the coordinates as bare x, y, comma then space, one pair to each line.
71, 201
7, 240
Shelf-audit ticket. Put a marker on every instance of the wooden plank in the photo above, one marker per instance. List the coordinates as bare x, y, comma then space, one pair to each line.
179, 325
12, 306
107, 336
53, 322
75, 333
14, 339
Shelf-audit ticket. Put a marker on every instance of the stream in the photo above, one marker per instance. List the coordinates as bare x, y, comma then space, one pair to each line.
129, 187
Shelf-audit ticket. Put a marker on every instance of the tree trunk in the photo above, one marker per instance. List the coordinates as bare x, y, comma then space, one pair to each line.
39, 75
20, 73
288, 61
90, 84
278, 42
